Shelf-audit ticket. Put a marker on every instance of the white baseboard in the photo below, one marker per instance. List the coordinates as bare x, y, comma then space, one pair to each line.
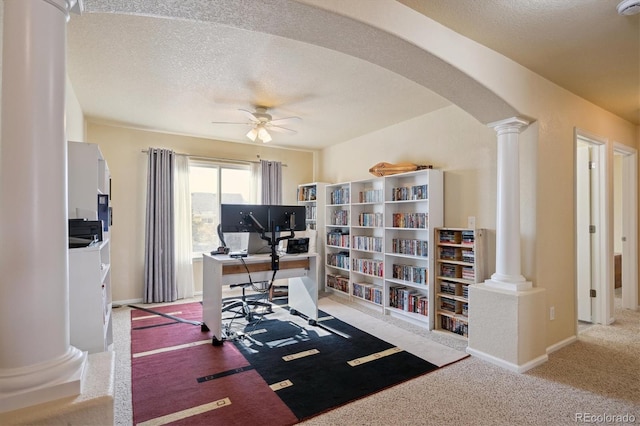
508, 365
126, 302
561, 344
130, 301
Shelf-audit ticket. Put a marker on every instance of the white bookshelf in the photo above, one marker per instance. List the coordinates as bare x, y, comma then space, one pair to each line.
312, 196
382, 227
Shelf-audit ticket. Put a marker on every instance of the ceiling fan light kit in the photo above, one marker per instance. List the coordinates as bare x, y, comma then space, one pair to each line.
629, 7
261, 122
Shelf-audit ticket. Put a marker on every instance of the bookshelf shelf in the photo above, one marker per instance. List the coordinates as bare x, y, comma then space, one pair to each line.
459, 264
388, 222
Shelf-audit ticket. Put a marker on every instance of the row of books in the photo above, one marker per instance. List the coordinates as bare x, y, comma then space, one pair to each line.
457, 253
372, 267
450, 237
450, 271
410, 273
371, 219
468, 256
311, 213
370, 196
448, 288
408, 300
339, 196
367, 243
338, 239
410, 246
448, 305
340, 259
450, 253
368, 292
468, 273
407, 193
307, 193
340, 218
409, 220
468, 237
454, 325
338, 282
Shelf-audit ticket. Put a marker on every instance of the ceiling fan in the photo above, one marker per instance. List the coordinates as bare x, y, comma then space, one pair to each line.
261, 123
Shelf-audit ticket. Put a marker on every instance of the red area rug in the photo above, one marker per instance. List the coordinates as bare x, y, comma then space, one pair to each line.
178, 378
282, 371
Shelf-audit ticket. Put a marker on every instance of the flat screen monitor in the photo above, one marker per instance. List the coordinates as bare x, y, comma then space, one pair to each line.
287, 218
236, 217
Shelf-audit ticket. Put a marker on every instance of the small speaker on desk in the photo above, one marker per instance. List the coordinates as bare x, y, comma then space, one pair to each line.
297, 245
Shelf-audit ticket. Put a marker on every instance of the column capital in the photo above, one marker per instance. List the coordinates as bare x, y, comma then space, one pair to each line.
67, 6
510, 125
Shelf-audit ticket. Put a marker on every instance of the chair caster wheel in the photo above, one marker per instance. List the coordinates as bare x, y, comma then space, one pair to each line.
293, 311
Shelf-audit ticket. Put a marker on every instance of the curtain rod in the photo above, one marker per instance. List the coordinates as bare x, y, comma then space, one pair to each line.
230, 160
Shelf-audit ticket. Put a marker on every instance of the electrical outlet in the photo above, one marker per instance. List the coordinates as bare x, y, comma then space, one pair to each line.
471, 222
552, 313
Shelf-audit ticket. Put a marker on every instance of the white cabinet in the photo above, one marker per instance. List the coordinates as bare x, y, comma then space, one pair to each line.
90, 297
377, 247
89, 267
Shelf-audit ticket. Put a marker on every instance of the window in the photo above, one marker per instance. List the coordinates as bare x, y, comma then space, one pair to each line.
212, 184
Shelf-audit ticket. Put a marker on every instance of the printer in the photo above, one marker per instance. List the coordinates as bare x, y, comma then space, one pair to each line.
83, 232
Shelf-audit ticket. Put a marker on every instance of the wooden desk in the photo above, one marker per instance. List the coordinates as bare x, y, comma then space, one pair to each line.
220, 270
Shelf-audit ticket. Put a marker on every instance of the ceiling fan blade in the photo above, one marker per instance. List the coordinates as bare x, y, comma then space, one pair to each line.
250, 115
246, 123
280, 129
285, 119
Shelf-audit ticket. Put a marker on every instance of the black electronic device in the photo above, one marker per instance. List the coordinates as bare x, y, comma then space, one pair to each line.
297, 245
237, 217
287, 218
269, 221
86, 229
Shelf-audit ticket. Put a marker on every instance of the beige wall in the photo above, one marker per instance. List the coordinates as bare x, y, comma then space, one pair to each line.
465, 149
74, 124
122, 148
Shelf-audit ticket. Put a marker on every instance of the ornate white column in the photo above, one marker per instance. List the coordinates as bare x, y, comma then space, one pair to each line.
507, 323
37, 363
508, 273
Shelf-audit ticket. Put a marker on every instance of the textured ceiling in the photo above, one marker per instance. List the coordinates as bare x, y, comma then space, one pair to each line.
178, 75
584, 46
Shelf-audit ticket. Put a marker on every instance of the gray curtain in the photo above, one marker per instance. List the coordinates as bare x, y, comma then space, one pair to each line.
159, 272
271, 182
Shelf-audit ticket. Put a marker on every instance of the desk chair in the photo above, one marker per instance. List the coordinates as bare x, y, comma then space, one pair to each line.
243, 307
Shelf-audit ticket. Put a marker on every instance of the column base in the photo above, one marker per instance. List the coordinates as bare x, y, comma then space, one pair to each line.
509, 283
93, 406
507, 328
59, 378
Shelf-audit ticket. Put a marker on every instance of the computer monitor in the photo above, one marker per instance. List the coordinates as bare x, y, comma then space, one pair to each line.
287, 218
237, 217
255, 219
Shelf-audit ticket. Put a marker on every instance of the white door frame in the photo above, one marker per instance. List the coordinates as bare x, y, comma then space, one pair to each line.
602, 259
629, 225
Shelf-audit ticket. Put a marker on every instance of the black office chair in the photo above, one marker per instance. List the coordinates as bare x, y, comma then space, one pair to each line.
244, 307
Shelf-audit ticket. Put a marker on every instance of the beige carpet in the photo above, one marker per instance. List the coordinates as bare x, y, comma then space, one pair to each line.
597, 375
